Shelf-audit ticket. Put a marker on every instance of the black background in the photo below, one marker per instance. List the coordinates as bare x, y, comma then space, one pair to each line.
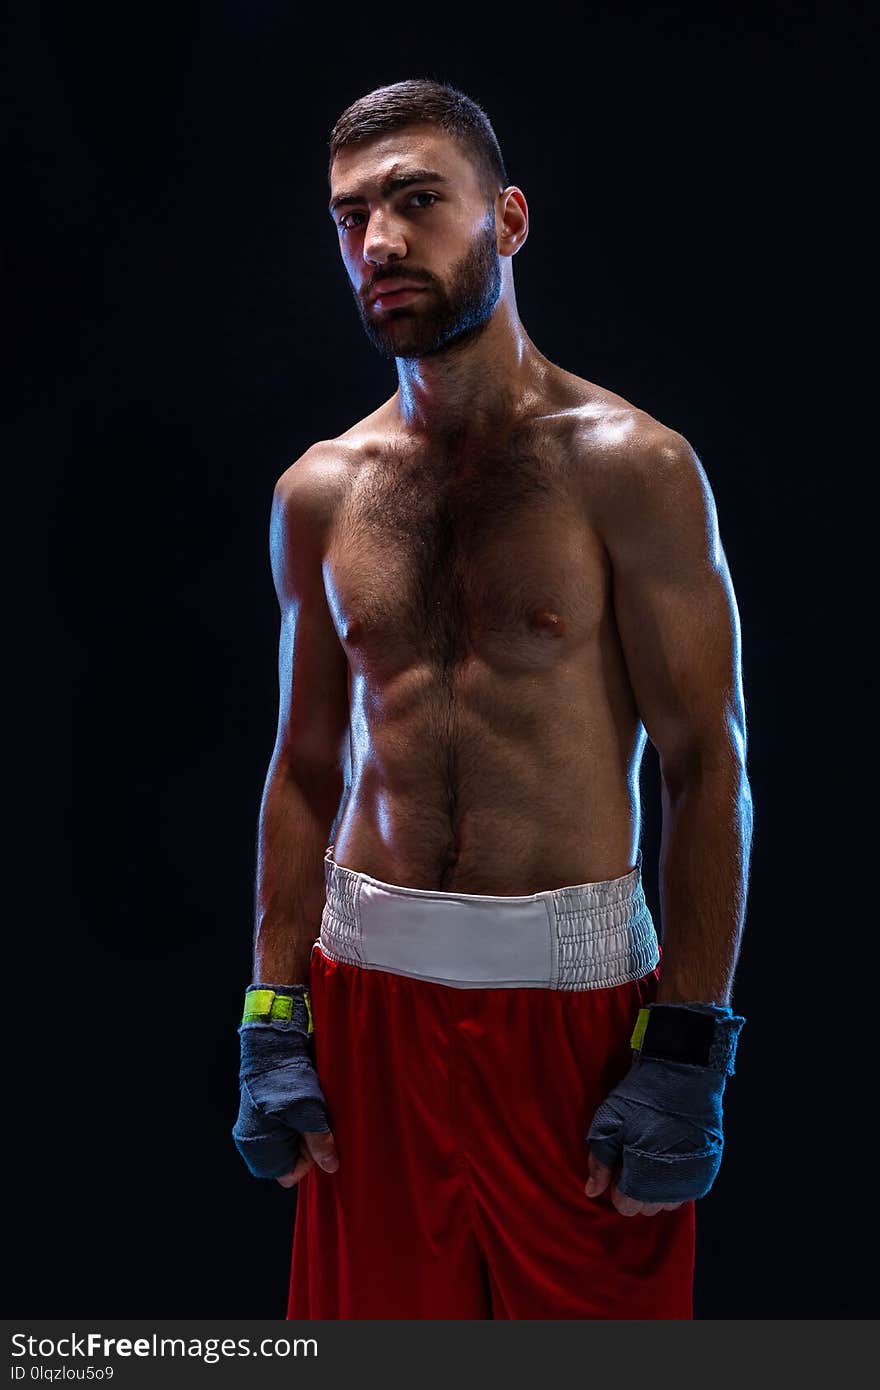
181, 330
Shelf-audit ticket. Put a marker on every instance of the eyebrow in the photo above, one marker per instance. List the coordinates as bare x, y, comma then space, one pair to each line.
390, 186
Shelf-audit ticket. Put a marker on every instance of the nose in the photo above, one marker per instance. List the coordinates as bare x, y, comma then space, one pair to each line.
383, 238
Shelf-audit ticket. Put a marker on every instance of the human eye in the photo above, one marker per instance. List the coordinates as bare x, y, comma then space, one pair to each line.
425, 194
344, 223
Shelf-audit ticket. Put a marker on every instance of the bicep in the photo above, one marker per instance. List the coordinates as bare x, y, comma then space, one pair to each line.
676, 610
313, 705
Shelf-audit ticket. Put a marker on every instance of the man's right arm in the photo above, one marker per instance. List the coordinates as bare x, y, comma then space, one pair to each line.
306, 776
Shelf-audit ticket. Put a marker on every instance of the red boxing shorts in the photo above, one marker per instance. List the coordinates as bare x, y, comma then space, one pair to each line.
463, 1044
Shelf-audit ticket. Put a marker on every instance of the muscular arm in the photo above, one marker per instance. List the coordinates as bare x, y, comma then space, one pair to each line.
305, 781
679, 628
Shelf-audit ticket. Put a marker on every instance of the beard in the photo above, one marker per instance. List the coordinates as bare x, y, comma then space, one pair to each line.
441, 317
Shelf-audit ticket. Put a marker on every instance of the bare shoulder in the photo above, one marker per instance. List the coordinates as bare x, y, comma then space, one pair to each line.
316, 481
311, 485
640, 477
611, 434
306, 500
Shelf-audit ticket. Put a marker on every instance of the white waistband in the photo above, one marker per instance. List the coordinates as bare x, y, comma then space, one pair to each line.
588, 936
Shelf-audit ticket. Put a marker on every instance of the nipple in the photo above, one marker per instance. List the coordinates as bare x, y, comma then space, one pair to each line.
548, 621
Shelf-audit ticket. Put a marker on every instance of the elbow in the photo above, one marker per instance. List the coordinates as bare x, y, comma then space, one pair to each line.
718, 762
312, 775
710, 750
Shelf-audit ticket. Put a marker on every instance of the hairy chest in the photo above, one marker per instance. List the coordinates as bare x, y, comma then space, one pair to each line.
439, 560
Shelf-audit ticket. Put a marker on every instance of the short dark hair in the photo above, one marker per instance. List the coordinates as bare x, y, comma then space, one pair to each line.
425, 101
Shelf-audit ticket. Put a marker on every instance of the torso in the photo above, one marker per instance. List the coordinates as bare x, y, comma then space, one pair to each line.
495, 741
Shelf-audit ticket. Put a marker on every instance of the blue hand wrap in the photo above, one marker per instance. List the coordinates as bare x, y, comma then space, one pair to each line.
662, 1123
281, 1096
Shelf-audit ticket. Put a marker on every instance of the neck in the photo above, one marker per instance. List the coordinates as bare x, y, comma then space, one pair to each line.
474, 385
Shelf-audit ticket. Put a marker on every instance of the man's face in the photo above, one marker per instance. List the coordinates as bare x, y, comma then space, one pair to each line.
436, 231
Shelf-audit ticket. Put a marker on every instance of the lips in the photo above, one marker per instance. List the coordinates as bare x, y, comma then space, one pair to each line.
391, 287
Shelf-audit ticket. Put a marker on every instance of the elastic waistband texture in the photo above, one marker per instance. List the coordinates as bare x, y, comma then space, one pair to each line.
587, 936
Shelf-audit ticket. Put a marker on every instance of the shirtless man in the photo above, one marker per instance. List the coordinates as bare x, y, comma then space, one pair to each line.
493, 589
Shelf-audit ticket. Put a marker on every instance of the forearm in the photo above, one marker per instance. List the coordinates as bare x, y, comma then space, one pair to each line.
297, 815
704, 871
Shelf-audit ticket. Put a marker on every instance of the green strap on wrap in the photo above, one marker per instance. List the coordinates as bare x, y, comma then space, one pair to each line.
265, 1006
639, 1031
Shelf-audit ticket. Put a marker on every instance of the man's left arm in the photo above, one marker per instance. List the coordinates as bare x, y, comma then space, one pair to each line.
679, 631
